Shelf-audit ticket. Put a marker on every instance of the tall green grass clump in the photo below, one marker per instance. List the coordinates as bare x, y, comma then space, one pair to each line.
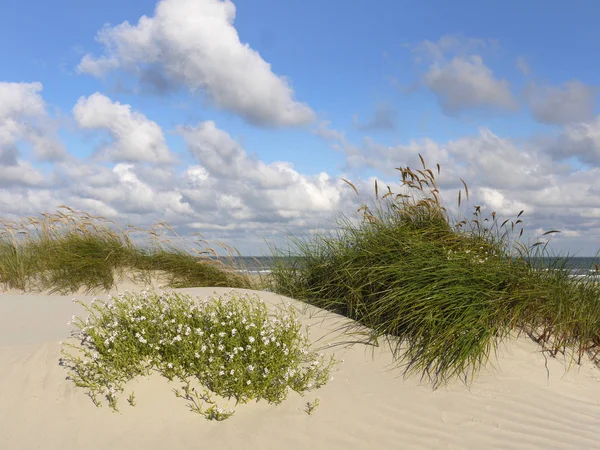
442, 292
69, 250
229, 344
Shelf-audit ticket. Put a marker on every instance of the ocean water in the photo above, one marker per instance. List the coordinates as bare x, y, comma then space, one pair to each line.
578, 266
256, 264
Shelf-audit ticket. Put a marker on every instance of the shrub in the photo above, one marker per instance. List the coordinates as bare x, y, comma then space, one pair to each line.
230, 344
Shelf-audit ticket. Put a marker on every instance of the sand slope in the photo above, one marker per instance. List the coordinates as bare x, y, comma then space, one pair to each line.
517, 405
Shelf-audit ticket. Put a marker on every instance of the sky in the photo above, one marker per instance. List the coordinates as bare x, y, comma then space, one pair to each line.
241, 120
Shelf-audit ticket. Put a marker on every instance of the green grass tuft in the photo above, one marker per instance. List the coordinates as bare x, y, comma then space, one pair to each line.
69, 250
443, 293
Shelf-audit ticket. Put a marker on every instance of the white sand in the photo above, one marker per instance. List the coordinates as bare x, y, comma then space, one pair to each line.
516, 405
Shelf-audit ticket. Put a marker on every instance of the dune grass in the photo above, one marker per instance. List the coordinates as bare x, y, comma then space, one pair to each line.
69, 250
442, 292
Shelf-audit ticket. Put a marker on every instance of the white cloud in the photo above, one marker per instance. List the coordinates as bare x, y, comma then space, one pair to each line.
572, 102
135, 137
458, 76
255, 190
131, 191
23, 118
226, 196
496, 201
194, 44
580, 140
20, 174
467, 83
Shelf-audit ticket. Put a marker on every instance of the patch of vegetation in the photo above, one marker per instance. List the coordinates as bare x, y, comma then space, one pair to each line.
229, 344
443, 293
69, 250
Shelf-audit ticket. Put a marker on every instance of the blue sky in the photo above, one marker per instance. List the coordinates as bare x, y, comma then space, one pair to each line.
342, 88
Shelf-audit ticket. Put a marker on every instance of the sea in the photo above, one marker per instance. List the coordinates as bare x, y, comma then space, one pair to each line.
577, 266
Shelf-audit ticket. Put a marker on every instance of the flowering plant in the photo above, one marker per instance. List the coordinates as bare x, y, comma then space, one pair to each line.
229, 343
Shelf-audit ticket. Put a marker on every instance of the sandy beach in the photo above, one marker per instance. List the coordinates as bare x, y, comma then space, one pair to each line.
525, 401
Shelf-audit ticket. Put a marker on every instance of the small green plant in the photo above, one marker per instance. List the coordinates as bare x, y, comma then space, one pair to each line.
229, 343
131, 399
311, 406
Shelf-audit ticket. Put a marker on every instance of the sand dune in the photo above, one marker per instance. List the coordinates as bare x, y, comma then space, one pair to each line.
520, 403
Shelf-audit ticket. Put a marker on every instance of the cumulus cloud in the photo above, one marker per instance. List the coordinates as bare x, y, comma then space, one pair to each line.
559, 105
580, 140
23, 118
467, 83
250, 188
194, 44
226, 195
21, 173
134, 136
459, 78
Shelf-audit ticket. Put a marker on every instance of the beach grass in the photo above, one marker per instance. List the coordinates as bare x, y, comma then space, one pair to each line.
442, 292
71, 250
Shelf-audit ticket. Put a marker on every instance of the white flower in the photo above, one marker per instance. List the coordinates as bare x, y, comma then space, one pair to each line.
248, 382
233, 332
251, 339
222, 334
250, 368
170, 366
